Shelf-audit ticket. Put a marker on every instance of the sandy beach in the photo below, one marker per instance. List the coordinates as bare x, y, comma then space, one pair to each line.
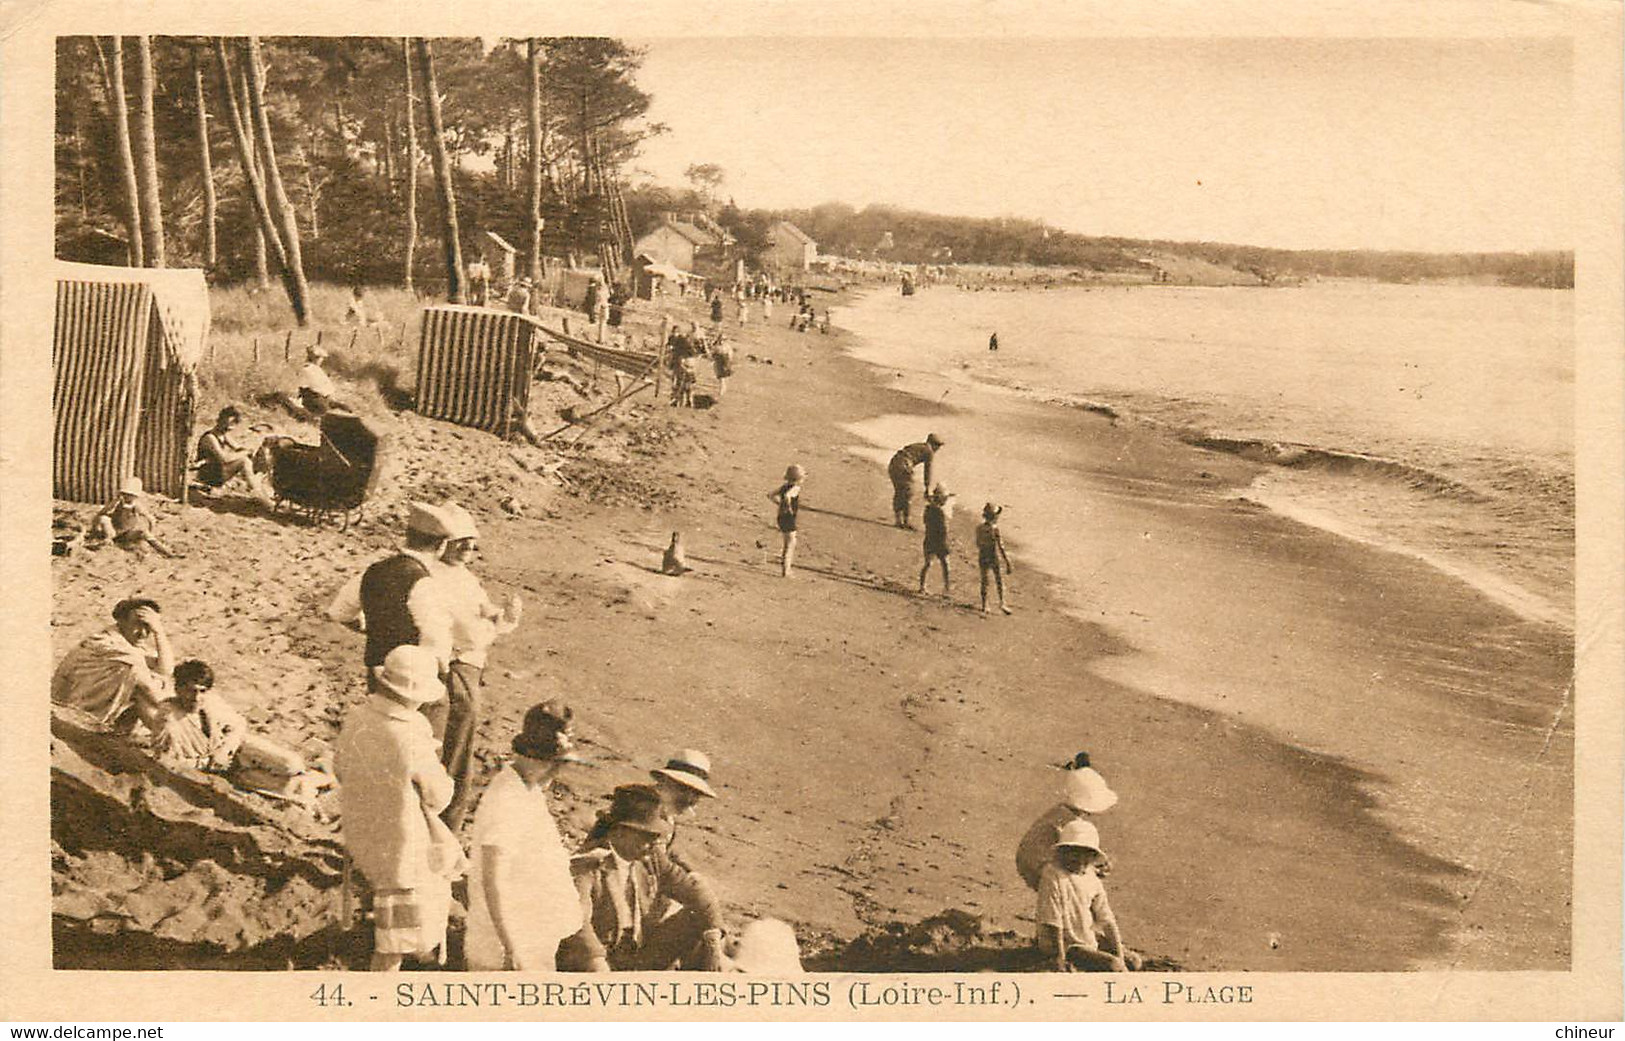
1330, 757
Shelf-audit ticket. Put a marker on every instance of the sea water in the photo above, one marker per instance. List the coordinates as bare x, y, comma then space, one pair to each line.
1432, 420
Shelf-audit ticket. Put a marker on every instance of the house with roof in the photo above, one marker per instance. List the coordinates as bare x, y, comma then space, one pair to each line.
683, 244
789, 248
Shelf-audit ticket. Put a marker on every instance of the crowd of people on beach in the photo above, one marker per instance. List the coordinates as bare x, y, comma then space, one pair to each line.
422, 824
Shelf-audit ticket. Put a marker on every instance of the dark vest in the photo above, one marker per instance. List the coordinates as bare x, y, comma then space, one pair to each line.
385, 588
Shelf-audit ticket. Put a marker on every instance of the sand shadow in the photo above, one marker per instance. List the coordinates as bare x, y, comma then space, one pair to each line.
79, 944
85, 817
949, 941
248, 506
882, 584
849, 517
85, 820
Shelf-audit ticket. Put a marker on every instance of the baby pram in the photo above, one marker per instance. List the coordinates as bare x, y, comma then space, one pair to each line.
332, 479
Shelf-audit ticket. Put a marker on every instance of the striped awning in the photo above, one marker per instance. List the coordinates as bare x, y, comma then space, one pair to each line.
125, 347
474, 366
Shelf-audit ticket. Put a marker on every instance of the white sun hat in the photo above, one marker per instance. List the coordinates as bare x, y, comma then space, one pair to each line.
1086, 791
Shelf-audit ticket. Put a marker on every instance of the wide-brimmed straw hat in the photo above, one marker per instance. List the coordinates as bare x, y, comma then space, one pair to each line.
795, 473
412, 673
689, 768
1079, 833
546, 733
1087, 792
939, 494
934, 441
989, 510
131, 486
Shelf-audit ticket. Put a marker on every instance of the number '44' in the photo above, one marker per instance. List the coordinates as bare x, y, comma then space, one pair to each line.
326, 995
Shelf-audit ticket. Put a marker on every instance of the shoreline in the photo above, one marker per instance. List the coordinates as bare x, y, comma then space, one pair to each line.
1551, 778
878, 753
1540, 599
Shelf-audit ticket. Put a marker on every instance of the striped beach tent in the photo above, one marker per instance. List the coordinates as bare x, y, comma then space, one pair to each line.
474, 366
124, 358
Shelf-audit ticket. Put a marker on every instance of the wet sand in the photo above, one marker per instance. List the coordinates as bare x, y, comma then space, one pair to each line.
879, 753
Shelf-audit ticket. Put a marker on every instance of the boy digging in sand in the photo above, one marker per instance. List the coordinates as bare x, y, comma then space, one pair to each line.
936, 534
989, 548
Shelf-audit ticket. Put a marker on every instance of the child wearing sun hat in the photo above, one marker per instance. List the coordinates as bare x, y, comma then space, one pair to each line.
1077, 930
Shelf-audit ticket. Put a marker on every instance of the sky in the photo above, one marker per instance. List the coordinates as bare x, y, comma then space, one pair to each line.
1427, 144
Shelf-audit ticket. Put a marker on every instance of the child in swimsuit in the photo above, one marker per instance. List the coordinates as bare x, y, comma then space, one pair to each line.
989, 549
788, 496
936, 535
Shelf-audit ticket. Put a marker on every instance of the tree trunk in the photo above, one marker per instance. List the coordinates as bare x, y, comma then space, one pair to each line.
313, 195
121, 131
205, 163
389, 150
79, 166
262, 271
442, 175
281, 209
411, 168
251, 175
534, 243
146, 167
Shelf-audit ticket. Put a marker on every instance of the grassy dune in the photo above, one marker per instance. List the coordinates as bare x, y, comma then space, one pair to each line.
372, 360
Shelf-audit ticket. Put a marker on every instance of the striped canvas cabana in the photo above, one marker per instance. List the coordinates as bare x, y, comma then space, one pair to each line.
124, 358
474, 366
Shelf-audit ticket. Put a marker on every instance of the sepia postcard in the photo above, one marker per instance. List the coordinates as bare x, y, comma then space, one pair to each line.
741, 511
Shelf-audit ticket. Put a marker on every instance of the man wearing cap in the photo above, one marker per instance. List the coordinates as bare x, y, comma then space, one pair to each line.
522, 897
109, 674
475, 623
400, 600
391, 791
901, 471
1083, 793
623, 879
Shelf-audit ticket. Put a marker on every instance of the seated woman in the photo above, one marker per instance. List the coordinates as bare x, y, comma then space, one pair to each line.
219, 458
199, 729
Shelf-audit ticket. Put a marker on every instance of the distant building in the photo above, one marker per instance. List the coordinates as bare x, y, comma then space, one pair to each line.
684, 244
789, 248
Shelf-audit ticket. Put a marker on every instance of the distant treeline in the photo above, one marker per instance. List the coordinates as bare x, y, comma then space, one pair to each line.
892, 233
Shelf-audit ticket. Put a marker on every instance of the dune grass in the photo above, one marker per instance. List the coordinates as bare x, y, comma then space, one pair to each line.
256, 349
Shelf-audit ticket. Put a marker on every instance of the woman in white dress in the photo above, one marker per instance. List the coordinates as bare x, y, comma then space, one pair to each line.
522, 901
